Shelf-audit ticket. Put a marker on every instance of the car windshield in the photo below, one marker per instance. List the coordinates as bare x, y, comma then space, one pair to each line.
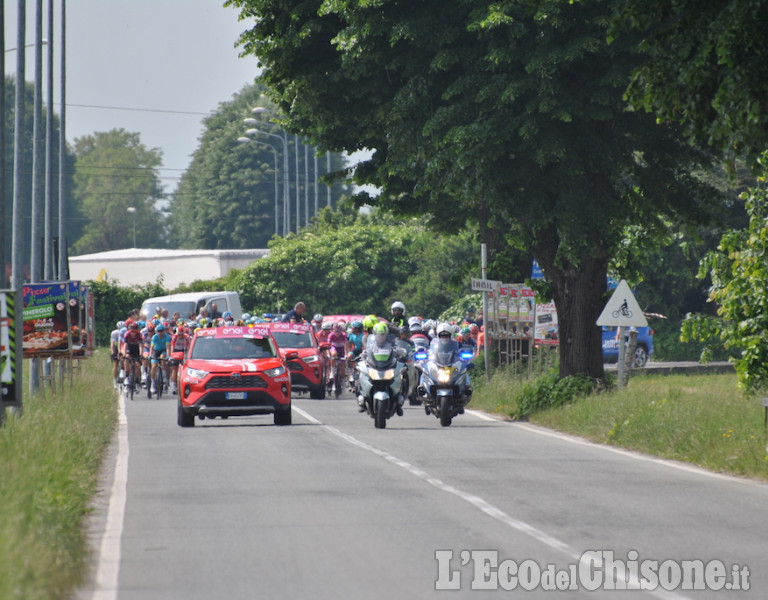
214, 348
287, 339
185, 309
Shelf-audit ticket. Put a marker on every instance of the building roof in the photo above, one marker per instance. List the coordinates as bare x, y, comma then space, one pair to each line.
164, 254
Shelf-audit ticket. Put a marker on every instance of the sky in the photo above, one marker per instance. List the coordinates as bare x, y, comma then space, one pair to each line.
153, 67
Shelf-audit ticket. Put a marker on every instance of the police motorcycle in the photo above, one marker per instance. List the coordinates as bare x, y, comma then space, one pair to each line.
380, 377
445, 386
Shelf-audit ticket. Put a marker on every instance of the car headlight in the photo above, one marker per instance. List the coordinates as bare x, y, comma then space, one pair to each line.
276, 372
311, 359
197, 373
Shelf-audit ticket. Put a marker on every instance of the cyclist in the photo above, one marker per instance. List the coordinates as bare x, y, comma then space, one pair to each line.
338, 341
179, 343
114, 351
158, 349
131, 352
317, 322
147, 331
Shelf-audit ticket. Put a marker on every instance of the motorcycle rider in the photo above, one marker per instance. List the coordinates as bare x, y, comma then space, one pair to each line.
379, 339
398, 315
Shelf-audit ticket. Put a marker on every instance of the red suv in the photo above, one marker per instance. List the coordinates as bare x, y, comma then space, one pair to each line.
233, 371
307, 360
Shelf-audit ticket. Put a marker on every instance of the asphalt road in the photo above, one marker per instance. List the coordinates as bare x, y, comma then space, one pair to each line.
330, 508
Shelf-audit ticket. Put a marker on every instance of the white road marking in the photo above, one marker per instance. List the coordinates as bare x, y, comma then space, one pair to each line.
480, 504
109, 553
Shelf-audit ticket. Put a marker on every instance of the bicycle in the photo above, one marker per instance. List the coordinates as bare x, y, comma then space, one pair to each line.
159, 379
129, 383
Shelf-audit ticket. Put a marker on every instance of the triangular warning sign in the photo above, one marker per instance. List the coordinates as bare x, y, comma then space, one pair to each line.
622, 309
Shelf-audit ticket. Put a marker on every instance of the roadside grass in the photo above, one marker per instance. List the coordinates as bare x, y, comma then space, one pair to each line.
699, 419
49, 465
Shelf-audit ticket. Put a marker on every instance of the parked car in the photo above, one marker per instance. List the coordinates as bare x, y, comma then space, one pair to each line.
308, 363
643, 350
234, 371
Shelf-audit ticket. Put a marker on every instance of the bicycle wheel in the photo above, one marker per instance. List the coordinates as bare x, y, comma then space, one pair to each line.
159, 382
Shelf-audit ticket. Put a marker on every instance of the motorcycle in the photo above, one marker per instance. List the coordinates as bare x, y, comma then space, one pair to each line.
445, 388
420, 353
380, 379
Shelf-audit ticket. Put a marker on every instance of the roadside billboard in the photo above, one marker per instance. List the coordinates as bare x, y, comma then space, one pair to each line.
50, 313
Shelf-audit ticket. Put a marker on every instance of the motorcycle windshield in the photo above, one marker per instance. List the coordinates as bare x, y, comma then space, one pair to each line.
380, 357
443, 353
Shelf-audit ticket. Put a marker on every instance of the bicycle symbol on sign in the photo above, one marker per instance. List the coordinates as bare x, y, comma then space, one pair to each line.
623, 311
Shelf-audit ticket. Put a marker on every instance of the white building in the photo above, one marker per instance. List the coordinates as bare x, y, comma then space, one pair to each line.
139, 266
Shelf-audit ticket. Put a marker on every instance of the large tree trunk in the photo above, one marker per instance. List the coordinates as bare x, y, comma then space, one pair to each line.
578, 292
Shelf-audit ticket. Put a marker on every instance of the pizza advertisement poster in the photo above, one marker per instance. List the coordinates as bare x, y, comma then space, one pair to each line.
47, 311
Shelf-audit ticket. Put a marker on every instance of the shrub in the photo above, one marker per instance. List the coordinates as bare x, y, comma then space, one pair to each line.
549, 391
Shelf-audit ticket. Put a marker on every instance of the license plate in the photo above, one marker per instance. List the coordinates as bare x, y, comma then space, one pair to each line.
235, 395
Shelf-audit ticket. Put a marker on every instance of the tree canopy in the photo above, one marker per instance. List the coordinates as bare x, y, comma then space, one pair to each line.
508, 116
114, 171
704, 67
350, 263
228, 196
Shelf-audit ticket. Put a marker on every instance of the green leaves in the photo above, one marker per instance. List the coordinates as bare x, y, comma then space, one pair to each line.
739, 272
114, 171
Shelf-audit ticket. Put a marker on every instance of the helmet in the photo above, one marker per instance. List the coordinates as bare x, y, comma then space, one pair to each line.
380, 328
465, 331
415, 326
443, 328
246, 316
357, 324
150, 326
318, 317
473, 328
128, 322
134, 326
203, 322
142, 324
397, 305
227, 315
327, 325
370, 321
160, 327
339, 326
413, 320
120, 324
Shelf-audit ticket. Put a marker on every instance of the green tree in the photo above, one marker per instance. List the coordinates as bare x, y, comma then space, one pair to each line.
704, 67
115, 171
508, 116
739, 273
350, 263
226, 199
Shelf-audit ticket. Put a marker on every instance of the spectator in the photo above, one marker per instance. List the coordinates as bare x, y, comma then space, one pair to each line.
296, 314
215, 313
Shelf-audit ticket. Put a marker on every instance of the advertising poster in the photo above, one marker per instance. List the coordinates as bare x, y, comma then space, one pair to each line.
8, 369
47, 315
546, 330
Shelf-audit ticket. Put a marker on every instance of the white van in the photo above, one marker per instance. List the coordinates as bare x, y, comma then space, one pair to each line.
189, 304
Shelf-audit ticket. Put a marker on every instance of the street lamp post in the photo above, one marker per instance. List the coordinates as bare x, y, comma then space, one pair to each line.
247, 140
286, 194
132, 210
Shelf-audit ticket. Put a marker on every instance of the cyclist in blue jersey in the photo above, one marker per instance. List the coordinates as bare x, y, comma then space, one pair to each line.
159, 348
